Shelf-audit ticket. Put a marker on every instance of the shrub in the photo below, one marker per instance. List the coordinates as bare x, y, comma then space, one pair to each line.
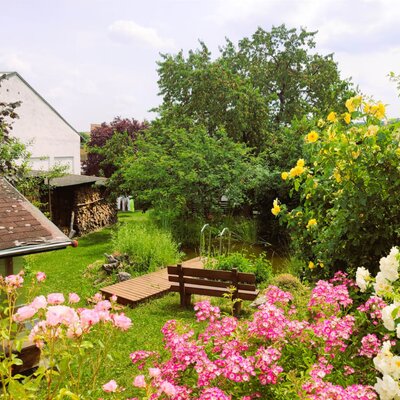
288, 282
74, 342
147, 246
348, 213
258, 265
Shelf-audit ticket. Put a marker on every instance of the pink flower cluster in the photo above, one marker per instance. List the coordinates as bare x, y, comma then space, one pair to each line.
275, 295
370, 346
58, 319
335, 331
205, 311
327, 299
373, 308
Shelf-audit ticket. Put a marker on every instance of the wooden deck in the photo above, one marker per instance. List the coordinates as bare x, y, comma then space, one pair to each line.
133, 291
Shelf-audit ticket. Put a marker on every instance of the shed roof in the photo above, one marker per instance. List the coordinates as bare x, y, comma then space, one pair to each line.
23, 228
71, 180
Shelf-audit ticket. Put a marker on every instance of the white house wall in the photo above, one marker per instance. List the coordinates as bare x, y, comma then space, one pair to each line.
50, 139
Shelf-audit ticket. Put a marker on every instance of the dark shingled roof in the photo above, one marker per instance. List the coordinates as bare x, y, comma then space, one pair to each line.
23, 228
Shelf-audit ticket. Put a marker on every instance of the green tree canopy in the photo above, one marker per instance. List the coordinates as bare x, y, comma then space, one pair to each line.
187, 170
253, 89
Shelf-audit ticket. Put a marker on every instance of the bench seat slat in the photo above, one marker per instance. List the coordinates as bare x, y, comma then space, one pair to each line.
214, 291
213, 274
211, 283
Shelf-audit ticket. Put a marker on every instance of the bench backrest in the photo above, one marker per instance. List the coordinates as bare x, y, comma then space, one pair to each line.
212, 278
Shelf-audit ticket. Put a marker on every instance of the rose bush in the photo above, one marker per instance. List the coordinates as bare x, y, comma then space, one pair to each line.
348, 211
330, 350
73, 341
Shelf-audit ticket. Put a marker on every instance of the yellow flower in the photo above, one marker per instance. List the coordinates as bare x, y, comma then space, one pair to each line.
296, 171
299, 214
349, 105
321, 264
377, 110
311, 265
332, 117
321, 123
276, 208
337, 176
347, 118
300, 162
355, 154
312, 137
308, 196
284, 175
372, 130
311, 222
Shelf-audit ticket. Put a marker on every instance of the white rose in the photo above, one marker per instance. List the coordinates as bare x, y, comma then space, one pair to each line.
389, 265
387, 318
362, 277
387, 388
381, 285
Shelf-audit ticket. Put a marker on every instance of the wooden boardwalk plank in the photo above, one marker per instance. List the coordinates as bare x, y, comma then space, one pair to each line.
145, 287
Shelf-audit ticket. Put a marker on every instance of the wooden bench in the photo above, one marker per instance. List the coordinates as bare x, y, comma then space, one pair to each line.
208, 282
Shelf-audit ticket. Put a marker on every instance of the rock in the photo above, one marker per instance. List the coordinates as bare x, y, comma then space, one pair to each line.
123, 276
109, 268
258, 301
98, 281
110, 258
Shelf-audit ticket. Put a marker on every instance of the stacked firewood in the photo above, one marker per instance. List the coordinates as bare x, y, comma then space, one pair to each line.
92, 211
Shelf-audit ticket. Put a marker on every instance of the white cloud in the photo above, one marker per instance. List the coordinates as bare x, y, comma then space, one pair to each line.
14, 62
127, 31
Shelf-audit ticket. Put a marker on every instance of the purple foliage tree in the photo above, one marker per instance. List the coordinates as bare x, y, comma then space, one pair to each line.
95, 164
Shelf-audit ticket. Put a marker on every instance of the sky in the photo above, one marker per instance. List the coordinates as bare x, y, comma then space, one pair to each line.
93, 60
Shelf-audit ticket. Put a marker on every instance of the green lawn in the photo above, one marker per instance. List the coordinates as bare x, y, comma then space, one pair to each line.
64, 269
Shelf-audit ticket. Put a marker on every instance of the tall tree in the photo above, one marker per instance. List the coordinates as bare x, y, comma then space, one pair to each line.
253, 89
97, 164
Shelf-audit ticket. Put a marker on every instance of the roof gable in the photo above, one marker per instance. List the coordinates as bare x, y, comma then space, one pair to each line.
14, 73
23, 228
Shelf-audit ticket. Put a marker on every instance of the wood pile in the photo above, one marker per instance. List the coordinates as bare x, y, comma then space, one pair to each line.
91, 210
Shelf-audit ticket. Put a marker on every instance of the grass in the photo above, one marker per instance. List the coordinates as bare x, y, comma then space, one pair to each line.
64, 270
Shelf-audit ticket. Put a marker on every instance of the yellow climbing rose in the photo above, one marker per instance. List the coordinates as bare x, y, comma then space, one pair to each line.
276, 209
332, 117
312, 137
300, 162
284, 175
347, 118
372, 130
311, 223
311, 265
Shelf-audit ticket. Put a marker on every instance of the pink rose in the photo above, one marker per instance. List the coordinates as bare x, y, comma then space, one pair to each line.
24, 313
55, 298
102, 305
139, 381
14, 281
39, 302
114, 298
73, 298
97, 297
168, 388
154, 372
56, 315
121, 321
40, 276
110, 386
89, 318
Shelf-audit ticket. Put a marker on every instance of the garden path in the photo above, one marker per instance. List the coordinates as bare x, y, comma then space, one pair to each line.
136, 290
